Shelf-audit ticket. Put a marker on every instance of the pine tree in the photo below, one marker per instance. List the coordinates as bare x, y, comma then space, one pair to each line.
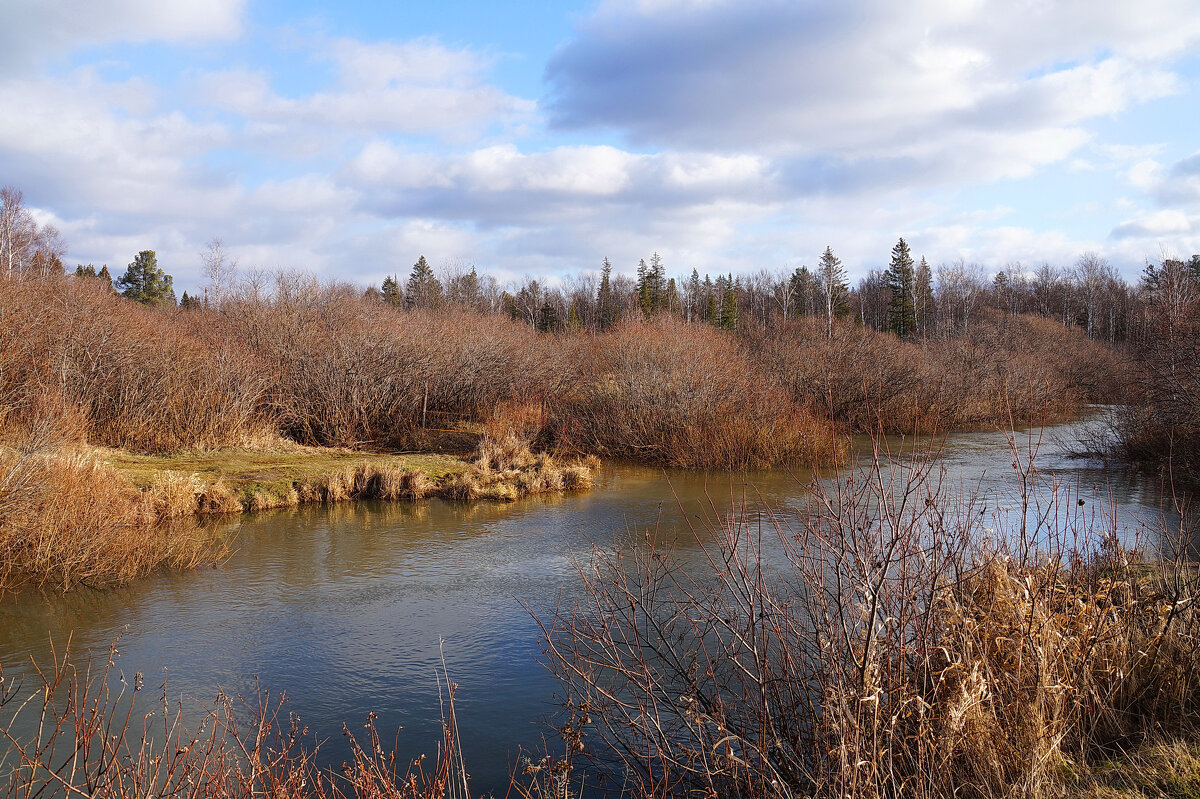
900, 280
832, 282
423, 289
106, 276
144, 282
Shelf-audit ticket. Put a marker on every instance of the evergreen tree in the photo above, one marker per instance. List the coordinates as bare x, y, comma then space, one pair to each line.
189, 303
693, 297
729, 305
923, 298
423, 289
831, 278
802, 286
900, 279
547, 321
710, 301
104, 275
574, 321
656, 280
391, 291
606, 306
144, 282
85, 271
644, 291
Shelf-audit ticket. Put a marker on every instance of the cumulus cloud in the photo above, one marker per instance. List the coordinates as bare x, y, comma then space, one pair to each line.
502, 186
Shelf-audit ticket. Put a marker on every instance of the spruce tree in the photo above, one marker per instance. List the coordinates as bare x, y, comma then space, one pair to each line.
923, 298
656, 279
644, 291
832, 282
391, 291
144, 282
547, 319
606, 307
729, 305
423, 289
900, 280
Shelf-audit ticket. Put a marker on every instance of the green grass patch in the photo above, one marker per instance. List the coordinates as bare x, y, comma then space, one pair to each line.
273, 471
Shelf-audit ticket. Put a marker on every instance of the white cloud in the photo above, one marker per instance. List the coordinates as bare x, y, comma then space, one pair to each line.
35, 29
417, 87
869, 81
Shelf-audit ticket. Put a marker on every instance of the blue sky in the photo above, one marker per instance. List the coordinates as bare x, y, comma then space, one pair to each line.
537, 138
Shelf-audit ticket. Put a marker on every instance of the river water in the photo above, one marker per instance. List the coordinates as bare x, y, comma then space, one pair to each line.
346, 609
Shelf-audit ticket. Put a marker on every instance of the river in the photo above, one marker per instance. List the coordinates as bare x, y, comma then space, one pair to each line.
346, 608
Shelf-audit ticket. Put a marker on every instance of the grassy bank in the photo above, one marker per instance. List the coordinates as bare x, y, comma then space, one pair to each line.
72, 515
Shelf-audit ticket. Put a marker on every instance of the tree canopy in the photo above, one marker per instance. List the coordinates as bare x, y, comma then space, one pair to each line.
145, 282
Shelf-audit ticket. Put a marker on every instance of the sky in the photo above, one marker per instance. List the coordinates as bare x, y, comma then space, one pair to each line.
536, 138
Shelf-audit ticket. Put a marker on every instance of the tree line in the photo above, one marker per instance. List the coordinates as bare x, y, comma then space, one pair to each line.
909, 298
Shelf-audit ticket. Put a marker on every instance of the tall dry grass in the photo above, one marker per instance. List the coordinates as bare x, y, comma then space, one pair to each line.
684, 395
894, 646
67, 520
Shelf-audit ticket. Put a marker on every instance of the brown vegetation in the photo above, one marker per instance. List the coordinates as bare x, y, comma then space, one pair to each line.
1002, 370
67, 519
896, 650
686, 396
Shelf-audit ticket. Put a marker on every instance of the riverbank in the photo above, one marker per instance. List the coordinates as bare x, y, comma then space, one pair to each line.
75, 515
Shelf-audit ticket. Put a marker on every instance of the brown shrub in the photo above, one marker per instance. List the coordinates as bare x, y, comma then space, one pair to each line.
688, 396
1003, 370
350, 373
138, 378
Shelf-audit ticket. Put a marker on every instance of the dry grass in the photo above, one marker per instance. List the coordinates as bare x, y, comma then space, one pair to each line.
68, 520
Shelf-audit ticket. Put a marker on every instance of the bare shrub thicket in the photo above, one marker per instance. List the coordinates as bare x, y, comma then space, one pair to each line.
1000, 369
888, 645
684, 395
1160, 424
137, 378
349, 372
